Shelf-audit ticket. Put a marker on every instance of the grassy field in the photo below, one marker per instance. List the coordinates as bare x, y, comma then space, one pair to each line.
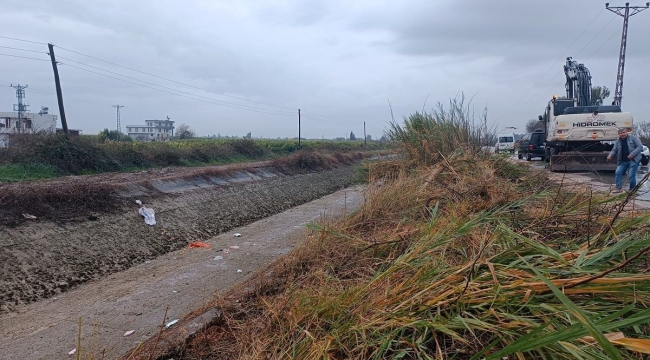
38, 157
456, 254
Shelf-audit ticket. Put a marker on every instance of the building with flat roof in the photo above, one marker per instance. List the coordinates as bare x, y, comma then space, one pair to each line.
30, 123
152, 130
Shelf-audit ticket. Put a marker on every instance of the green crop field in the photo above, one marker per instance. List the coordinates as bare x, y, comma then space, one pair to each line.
42, 156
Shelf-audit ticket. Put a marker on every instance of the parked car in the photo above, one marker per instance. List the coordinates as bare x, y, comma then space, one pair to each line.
505, 143
645, 155
533, 145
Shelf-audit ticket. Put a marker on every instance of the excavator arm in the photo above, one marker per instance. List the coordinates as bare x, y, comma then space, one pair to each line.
578, 82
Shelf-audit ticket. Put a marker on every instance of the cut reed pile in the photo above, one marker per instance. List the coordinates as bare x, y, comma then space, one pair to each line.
455, 254
458, 260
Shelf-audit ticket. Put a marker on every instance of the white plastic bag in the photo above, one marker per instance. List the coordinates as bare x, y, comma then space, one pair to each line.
148, 214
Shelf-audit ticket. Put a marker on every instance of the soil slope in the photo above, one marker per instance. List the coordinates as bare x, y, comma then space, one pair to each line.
42, 258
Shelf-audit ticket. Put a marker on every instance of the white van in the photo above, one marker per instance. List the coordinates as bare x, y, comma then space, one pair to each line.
505, 142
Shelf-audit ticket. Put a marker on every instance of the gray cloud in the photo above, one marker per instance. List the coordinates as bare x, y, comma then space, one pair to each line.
337, 59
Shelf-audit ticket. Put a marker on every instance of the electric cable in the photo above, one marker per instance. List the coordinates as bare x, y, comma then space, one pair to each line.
168, 88
173, 93
556, 61
314, 115
23, 57
232, 105
174, 81
16, 39
546, 86
54, 94
13, 48
603, 44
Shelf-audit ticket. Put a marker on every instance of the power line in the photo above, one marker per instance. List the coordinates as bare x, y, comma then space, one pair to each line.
24, 57
595, 36
174, 81
29, 41
232, 105
51, 93
546, 86
556, 61
325, 120
603, 44
13, 48
168, 88
173, 93
314, 115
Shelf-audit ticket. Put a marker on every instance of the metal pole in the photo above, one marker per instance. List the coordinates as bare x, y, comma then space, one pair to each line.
21, 108
298, 128
623, 11
59, 95
119, 127
364, 134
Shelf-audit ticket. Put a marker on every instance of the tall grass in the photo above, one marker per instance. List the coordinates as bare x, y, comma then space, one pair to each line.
460, 257
427, 137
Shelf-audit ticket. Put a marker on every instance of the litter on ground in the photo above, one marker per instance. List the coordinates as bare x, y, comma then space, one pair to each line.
171, 323
239, 271
28, 216
218, 257
237, 235
129, 332
72, 352
234, 247
199, 244
148, 214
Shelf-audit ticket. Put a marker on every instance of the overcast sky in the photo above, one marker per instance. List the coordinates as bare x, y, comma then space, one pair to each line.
339, 61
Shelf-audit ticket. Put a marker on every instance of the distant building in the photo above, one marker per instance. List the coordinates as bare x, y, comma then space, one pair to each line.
152, 130
31, 123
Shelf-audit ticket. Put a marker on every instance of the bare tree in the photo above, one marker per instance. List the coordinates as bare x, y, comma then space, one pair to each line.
643, 130
534, 124
185, 132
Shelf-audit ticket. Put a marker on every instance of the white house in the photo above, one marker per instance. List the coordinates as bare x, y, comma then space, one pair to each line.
31, 123
152, 130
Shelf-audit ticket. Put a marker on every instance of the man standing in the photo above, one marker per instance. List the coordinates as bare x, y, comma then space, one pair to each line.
628, 155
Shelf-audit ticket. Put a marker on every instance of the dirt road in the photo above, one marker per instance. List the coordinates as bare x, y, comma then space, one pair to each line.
136, 299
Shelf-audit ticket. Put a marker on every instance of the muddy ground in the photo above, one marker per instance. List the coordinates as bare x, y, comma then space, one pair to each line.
42, 258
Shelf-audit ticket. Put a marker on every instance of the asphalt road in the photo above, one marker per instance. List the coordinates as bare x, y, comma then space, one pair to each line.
605, 178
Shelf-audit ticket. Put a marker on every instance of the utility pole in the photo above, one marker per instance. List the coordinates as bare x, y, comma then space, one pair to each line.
20, 107
59, 95
119, 127
364, 134
298, 128
623, 11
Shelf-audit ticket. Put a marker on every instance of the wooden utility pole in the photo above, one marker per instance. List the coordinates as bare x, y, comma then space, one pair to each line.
364, 134
59, 95
298, 128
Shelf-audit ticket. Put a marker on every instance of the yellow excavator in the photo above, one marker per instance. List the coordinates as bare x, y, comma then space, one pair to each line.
579, 136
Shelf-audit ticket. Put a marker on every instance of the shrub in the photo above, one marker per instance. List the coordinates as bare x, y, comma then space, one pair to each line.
69, 156
248, 148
